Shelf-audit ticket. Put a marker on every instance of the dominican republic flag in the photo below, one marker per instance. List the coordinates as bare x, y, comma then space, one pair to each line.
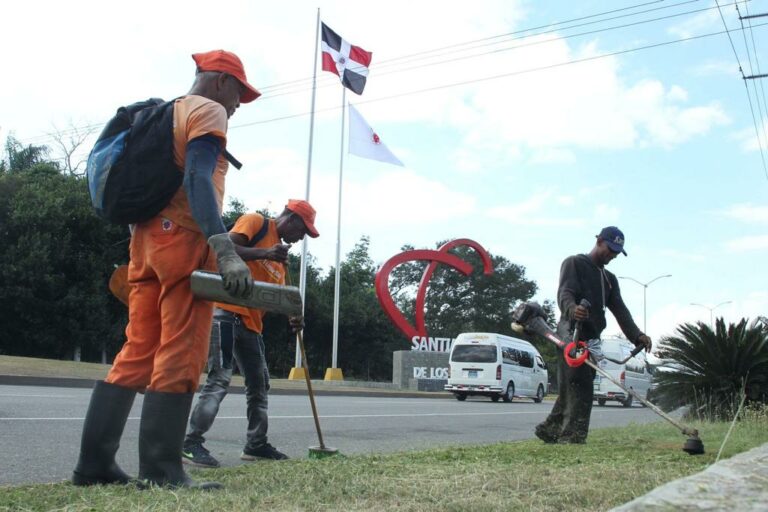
349, 62
365, 142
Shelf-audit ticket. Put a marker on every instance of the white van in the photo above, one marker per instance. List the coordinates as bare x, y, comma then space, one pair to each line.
633, 374
496, 366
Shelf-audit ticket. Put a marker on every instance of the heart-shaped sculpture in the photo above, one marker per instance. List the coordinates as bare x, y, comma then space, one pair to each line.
434, 257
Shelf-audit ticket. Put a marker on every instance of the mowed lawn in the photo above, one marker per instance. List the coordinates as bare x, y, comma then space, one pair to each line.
614, 467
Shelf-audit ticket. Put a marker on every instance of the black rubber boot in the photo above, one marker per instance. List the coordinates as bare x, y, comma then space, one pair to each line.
546, 433
104, 423
161, 437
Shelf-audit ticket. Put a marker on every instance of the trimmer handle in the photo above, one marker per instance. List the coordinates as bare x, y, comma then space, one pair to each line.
577, 329
571, 357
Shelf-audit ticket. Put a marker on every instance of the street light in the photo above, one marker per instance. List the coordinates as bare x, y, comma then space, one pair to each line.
711, 309
645, 289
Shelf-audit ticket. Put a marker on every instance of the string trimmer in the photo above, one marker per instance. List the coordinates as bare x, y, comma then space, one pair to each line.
530, 317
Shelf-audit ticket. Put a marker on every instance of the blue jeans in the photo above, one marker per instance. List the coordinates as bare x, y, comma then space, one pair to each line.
231, 339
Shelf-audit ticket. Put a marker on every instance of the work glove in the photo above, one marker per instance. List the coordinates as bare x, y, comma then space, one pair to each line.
296, 323
234, 272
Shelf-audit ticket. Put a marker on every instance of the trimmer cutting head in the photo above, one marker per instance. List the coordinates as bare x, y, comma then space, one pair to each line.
693, 446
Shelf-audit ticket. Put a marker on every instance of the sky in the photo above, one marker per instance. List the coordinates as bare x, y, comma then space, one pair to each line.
524, 125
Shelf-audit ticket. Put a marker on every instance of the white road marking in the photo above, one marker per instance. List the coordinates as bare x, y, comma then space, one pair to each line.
40, 396
338, 416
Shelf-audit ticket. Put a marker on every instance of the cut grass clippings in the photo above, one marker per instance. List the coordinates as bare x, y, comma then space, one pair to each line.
614, 467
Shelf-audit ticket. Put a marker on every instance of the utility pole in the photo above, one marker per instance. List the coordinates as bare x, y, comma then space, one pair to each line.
645, 289
711, 309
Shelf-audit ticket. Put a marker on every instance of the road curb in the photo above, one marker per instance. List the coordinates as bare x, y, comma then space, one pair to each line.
737, 483
70, 382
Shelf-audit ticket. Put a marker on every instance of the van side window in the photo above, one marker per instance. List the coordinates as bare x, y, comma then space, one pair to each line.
526, 359
508, 355
540, 363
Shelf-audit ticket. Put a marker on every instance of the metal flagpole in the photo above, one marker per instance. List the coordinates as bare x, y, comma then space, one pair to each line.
303, 271
337, 282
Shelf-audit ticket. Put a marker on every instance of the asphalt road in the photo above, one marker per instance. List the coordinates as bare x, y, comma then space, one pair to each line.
40, 427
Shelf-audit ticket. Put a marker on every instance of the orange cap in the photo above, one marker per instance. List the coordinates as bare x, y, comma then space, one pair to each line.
227, 62
304, 210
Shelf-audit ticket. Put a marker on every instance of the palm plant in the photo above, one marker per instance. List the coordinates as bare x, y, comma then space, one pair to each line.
708, 370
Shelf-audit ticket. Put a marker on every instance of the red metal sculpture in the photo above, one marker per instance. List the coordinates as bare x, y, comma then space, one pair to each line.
434, 257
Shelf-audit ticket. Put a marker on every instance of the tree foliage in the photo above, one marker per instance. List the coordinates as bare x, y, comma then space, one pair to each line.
709, 370
58, 256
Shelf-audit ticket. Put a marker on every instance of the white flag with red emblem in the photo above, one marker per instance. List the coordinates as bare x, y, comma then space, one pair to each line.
366, 143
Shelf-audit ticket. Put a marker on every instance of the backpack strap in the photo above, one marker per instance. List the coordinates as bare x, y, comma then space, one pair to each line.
231, 159
260, 234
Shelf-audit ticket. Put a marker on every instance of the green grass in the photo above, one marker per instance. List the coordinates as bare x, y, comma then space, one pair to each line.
614, 467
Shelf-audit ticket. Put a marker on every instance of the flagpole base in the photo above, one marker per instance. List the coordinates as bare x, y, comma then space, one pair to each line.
296, 374
333, 374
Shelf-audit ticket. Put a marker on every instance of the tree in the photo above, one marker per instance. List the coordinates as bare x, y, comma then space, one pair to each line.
234, 211
69, 145
20, 158
57, 257
709, 370
366, 336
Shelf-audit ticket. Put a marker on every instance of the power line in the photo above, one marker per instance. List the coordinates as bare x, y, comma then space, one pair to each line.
504, 75
733, 47
519, 72
330, 81
754, 47
746, 89
457, 45
499, 50
761, 106
464, 47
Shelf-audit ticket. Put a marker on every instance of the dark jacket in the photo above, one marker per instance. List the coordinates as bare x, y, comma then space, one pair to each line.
580, 279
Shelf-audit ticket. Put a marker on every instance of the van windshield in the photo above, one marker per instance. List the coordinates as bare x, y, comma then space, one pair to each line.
474, 354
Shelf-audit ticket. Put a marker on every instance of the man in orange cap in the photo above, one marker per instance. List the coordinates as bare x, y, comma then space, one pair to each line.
237, 332
168, 328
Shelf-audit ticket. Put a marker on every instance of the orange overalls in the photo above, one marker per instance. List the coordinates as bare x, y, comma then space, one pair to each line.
168, 328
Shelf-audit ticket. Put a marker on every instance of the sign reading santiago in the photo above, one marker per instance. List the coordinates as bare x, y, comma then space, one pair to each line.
430, 344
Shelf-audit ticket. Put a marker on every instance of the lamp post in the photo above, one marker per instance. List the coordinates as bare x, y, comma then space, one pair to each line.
645, 289
711, 309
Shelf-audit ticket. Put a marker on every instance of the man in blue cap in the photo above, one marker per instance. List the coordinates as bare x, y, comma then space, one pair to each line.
583, 276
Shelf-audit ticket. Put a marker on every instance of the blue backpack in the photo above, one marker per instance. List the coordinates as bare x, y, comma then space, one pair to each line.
131, 172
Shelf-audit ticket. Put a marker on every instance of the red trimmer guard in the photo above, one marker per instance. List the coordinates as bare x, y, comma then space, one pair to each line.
575, 362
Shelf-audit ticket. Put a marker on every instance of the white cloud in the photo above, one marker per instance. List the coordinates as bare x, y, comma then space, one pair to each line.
747, 243
534, 211
716, 68
685, 256
747, 213
548, 114
546, 208
605, 214
698, 24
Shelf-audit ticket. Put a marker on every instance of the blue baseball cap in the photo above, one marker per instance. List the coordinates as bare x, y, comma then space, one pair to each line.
614, 238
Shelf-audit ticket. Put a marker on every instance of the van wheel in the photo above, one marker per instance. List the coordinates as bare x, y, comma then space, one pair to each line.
601, 402
461, 397
627, 402
495, 398
539, 394
510, 393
